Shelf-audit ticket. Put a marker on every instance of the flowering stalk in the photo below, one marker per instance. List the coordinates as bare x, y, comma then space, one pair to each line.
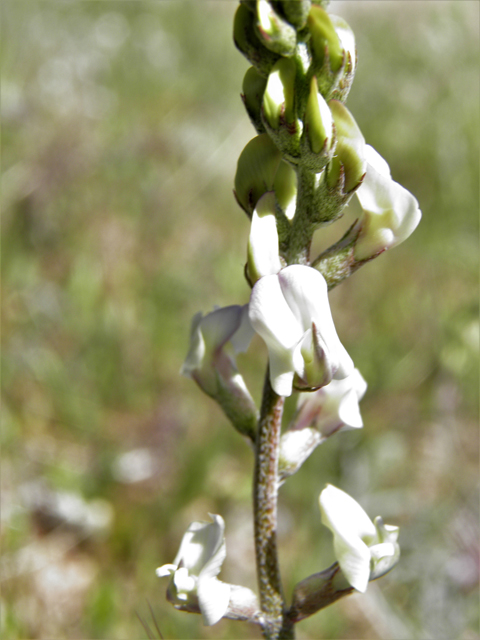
308, 159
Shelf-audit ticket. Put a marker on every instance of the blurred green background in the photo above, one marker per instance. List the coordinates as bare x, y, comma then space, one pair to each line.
122, 124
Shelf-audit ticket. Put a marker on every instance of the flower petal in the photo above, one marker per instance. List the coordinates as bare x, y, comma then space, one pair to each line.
353, 532
263, 258
213, 599
273, 320
390, 212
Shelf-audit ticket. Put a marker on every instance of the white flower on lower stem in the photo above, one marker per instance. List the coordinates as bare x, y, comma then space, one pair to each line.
333, 407
194, 570
365, 550
291, 312
390, 212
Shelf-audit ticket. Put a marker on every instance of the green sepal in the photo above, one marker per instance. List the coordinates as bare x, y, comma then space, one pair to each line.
296, 11
318, 140
349, 152
253, 89
256, 170
347, 42
324, 39
247, 41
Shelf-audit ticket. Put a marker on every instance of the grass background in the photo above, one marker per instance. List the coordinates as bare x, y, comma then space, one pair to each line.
122, 124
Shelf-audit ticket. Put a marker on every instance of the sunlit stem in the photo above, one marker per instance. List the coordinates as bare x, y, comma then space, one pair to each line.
265, 490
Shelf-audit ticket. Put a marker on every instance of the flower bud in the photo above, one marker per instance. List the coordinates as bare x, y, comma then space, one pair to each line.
279, 96
194, 571
248, 43
348, 166
318, 137
364, 550
324, 40
275, 33
253, 89
256, 170
296, 12
278, 109
263, 258
390, 212
347, 44
332, 45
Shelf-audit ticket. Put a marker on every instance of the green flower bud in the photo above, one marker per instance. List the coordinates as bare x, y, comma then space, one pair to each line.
256, 170
247, 41
278, 109
296, 11
253, 89
275, 33
318, 138
349, 163
324, 40
279, 96
347, 43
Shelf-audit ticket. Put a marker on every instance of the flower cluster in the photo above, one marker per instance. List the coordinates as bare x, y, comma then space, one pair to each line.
308, 159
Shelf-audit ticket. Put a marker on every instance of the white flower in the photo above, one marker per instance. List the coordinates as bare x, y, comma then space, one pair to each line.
333, 407
365, 550
390, 212
194, 570
320, 414
214, 340
291, 312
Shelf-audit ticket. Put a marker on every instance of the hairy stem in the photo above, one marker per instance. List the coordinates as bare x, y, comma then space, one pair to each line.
265, 489
302, 229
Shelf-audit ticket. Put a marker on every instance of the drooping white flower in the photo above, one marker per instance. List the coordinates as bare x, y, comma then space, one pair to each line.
214, 340
365, 550
390, 212
195, 568
291, 312
334, 407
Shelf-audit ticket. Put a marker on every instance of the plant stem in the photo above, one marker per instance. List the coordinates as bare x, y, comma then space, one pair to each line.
302, 229
265, 490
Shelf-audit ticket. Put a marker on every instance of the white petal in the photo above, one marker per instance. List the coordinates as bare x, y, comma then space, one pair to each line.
352, 532
353, 556
243, 336
184, 583
306, 292
390, 212
273, 320
375, 160
202, 545
213, 598
342, 514
349, 410
263, 258
166, 570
